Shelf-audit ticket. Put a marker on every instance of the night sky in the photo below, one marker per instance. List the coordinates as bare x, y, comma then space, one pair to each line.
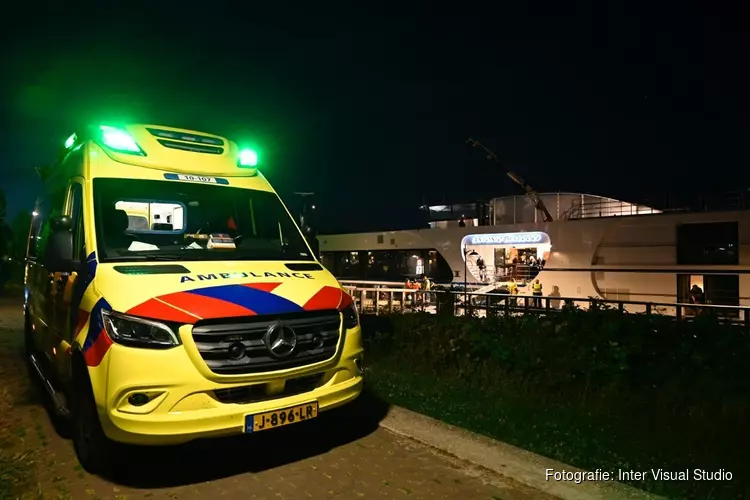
370, 107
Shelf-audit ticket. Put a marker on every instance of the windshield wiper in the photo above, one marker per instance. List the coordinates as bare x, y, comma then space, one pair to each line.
164, 256
284, 253
160, 256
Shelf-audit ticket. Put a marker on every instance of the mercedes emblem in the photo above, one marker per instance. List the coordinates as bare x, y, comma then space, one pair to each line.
280, 340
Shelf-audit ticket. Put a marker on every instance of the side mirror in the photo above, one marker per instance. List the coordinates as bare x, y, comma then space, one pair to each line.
59, 256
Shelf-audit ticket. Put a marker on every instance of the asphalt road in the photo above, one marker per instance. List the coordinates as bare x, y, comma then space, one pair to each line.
343, 454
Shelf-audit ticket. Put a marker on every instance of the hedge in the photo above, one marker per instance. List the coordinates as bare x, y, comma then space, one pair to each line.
595, 389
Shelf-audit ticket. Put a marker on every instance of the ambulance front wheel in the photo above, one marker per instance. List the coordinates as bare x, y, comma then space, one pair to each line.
95, 451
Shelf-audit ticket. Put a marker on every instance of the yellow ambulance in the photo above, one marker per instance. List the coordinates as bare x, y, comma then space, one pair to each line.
214, 317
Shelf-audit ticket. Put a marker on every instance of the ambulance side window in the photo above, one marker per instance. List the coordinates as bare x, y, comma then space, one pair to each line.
76, 214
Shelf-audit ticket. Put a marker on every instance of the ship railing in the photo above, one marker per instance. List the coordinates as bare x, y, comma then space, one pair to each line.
606, 208
595, 208
385, 301
390, 284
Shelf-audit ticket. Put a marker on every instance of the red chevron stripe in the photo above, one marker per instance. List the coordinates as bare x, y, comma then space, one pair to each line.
266, 287
205, 307
95, 354
328, 297
83, 316
158, 310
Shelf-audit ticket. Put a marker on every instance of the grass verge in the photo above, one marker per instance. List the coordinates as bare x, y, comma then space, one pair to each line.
611, 437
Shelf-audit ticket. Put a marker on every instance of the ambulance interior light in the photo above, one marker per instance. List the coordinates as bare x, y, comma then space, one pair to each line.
119, 140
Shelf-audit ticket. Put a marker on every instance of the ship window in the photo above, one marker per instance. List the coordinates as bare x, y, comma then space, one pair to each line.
344, 265
723, 289
388, 265
708, 244
348, 263
437, 268
328, 260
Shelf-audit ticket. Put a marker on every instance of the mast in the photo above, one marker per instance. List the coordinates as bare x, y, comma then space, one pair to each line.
536, 200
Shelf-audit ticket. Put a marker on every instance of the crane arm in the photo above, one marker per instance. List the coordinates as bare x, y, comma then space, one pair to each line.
536, 200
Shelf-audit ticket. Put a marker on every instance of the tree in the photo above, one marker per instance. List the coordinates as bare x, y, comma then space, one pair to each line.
5, 232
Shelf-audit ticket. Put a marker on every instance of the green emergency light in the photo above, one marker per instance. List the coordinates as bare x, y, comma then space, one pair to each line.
248, 158
119, 140
70, 141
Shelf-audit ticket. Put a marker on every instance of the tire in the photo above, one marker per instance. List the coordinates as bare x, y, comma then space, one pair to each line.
95, 451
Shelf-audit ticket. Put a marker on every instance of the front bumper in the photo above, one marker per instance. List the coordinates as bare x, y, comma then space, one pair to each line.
185, 404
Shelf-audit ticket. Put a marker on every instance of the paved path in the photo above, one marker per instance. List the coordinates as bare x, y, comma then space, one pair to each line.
342, 455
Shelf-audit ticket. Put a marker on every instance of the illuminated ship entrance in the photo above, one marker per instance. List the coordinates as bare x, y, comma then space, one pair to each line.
501, 257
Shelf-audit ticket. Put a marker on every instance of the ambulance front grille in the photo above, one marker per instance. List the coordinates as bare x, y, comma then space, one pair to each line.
237, 346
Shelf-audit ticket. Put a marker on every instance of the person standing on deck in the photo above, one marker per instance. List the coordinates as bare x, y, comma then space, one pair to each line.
537, 293
697, 297
482, 269
513, 291
426, 286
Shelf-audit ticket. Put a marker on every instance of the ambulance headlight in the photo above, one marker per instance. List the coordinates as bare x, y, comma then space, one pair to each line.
351, 316
138, 332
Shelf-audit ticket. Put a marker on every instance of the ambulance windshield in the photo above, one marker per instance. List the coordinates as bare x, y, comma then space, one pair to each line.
166, 220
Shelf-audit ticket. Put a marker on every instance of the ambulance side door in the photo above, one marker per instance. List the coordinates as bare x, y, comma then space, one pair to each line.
70, 287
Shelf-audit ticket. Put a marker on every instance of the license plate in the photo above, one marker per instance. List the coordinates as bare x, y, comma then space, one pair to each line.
280, 418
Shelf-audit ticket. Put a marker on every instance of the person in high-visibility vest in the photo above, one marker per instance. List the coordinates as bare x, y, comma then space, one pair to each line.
537, 293
513, 291
408, 286
426, 286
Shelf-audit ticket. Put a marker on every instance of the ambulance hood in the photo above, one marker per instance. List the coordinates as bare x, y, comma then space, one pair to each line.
191, 291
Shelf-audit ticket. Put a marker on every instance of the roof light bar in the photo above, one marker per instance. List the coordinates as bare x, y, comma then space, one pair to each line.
119, 140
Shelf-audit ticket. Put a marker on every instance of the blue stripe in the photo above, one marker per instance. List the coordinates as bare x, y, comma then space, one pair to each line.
96, 324
258, 301
79, 289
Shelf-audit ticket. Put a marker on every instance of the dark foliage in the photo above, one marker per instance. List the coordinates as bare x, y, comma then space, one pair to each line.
596, 388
